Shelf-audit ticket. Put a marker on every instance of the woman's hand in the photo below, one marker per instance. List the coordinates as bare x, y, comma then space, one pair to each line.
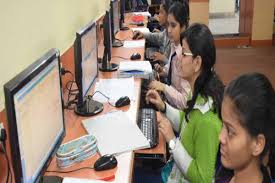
138, 35
166, 129
159, 69
152, 96
157, 85
157, 56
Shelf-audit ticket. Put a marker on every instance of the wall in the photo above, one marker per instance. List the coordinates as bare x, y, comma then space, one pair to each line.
199, 11
30, 28
224, 6
262, 25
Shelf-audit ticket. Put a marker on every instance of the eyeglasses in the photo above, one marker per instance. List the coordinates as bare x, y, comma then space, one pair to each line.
187, 54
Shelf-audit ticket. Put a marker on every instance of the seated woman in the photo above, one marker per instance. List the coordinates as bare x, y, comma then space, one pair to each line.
159, 39
247, 135
177, 88
193, 154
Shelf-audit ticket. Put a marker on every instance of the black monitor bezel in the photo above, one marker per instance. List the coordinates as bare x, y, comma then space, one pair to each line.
78, 60
10, 89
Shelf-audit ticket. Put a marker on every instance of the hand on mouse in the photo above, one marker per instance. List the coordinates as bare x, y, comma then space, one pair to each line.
138, 35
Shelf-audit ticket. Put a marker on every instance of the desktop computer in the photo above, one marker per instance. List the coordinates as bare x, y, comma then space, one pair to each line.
86, 69
35, 117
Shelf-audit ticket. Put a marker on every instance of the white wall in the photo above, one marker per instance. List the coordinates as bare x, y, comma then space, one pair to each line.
31, 27
221, 6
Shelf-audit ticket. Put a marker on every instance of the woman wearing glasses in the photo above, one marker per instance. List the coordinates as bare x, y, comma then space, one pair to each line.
176, 89
194, 152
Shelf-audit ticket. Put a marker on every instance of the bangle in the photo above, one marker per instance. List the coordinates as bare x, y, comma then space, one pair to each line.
164, 110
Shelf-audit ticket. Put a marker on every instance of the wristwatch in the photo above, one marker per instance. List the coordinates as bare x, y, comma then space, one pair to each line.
172, 144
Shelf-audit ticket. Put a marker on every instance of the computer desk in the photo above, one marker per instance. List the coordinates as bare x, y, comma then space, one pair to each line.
74, 129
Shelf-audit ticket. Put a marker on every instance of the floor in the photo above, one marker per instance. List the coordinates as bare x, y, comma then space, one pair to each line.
231, 62
228, 25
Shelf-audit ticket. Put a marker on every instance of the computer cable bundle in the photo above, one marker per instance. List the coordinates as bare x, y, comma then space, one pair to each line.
3, 138
71, 92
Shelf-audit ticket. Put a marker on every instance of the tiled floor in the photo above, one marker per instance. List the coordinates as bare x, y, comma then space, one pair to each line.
229, 25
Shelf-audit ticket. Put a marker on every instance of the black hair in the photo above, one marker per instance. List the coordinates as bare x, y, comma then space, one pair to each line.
180, 10
201, 43
254, 100
166, 5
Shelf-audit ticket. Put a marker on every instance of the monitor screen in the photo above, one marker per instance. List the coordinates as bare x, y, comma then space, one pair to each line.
35, 116
115, 17
86, 69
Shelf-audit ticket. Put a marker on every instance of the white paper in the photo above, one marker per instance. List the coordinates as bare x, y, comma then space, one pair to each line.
114, 89
141, 29
144, 66
78, 180
115, 133
134, 44
146, 13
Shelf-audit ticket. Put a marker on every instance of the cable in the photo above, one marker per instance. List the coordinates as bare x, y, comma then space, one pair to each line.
54, 171
103, 96
120, 57
71, 92
8, 163
100, 93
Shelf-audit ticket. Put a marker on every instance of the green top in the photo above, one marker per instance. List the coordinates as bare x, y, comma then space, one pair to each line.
195, 155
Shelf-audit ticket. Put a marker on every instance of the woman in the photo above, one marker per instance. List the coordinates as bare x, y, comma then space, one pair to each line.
159, 38
248, 114
177, 88
193, 154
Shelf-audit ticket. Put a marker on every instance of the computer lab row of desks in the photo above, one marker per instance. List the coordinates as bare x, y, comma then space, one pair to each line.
125, 168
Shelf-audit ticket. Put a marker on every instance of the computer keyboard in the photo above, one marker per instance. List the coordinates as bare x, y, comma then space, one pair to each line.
147, 123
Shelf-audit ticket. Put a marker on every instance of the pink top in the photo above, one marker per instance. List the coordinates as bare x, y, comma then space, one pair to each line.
177, 93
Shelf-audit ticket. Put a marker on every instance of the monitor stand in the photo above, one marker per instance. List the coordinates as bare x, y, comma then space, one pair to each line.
89, 107
108, 68
50, 179
117, 43
124, 28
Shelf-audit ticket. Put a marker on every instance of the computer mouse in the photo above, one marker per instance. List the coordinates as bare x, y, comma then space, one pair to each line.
105, 162
122, 101
135, 56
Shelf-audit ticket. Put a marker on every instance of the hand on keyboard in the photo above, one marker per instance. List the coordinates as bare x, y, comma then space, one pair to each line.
153, 97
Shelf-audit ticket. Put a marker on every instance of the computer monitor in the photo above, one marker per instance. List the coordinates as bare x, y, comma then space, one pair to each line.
122, 12
106, 66
115, 22
86, 69
35, 117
